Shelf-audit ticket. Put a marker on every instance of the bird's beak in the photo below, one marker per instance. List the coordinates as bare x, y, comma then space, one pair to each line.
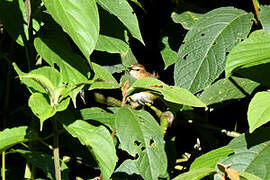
129, 68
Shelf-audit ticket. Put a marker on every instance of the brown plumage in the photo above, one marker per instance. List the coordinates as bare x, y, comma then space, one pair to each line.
138, 71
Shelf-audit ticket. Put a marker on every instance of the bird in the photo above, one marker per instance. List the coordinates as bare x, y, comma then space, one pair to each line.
138, 71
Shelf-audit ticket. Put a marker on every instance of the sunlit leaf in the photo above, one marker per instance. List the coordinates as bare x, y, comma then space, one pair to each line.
202, 54
79, 19
141, 136
251, 52
259, 110
196, 174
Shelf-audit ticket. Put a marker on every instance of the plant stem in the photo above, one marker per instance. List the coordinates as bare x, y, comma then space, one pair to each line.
3, 165
256, 7
56, 151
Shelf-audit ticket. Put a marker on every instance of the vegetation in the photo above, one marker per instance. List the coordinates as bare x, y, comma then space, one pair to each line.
65, 87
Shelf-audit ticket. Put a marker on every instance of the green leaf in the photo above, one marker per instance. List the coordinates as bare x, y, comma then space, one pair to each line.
12, 136
79, 19
171, 93
249, 176
129, 167
111, 44
259, 110
123, 11
251, 153
99, 142
100, 115
169, 56
251, 52
103, 79
13, 16
40, 105
264, 17
202, 56
186, 19
45, 80
196, 174
141, 136
210, 159
227, 89
43, 161
53, 46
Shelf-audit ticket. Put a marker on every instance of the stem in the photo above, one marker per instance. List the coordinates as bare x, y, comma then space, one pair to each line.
3, 166
256, 7
56, 151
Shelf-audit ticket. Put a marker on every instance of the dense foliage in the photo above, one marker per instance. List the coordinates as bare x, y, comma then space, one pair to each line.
65, 89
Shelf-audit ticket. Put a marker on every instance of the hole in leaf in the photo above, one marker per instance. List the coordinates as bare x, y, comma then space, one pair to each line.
56, 67
227, 53
185, 57
214, 43
143, 148
136, 156
137, 143
241, 40
152, 142
202, 34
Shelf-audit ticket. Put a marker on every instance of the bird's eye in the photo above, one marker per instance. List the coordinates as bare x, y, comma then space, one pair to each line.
137, 69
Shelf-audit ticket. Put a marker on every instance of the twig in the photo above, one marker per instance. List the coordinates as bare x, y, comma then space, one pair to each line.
56, 150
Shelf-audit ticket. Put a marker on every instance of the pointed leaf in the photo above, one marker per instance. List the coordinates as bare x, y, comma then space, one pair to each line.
53, 46
202, 56
227, 89
79, 19
103, 79
251, 153
251, 52
196, 174
259, 110
99, 141
141, 136
210, 159
264, 17
111, 44
186, 19
171, 93
12, 136
100, 115
40, 105
123, 11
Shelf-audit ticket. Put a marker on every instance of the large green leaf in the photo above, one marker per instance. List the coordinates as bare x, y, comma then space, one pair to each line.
123, 11
249, 176
210, 159
251, 153
53, 46
111, 45
79, 19
171, 93
12, 136
98, 114
227, 89
264, 16
259, 110
13, 16
43, 161
251, 52
196, 174
141, 136
99, 142
103, 79
202, 54
186, 19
